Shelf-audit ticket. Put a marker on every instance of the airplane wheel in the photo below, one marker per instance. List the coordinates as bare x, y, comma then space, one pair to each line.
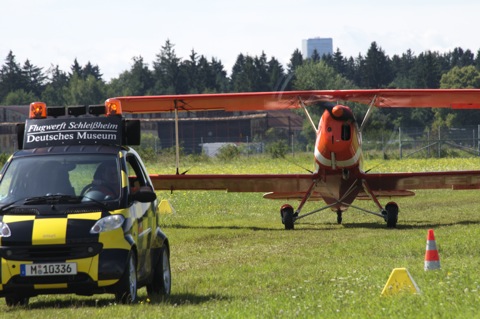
287, 216
392, 214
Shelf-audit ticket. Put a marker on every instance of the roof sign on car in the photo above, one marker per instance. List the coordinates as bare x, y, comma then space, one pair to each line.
84, 125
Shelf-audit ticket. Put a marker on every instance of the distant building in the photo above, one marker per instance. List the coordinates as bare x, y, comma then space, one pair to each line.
322, 45
211, 127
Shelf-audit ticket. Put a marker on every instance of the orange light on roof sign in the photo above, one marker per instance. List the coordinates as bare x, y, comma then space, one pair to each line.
38, 110
113, 107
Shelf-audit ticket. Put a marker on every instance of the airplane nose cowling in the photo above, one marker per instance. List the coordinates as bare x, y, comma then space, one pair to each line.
337, 111
338, 143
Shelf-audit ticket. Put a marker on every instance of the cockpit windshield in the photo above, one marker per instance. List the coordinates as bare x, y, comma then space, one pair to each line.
90, 176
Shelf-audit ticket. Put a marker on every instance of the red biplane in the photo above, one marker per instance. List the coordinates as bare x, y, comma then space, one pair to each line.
338, 178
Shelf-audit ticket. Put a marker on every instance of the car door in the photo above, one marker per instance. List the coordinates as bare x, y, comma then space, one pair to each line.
143, 213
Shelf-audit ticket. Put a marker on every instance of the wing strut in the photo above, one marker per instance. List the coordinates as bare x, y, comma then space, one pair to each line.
177, 146
306, 197
372, 196
369, 112
308, 114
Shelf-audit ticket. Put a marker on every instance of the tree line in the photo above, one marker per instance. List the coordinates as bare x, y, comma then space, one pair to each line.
170, 74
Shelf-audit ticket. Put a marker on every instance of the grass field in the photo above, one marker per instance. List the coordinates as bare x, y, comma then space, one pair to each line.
231, 257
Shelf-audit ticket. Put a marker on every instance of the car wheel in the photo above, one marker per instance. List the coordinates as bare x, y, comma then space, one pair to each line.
161, 284
16, 300
127, 286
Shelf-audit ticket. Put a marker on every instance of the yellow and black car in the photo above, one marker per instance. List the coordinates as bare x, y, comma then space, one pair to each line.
78, 213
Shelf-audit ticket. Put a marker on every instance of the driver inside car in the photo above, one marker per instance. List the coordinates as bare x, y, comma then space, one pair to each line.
105, 182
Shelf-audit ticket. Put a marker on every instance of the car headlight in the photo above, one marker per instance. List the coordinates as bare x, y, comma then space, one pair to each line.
107, 223
4, 230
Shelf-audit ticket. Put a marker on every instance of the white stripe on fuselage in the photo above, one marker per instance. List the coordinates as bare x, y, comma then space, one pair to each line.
345, 163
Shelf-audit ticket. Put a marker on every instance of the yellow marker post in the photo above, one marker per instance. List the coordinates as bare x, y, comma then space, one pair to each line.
400, 280
165, 207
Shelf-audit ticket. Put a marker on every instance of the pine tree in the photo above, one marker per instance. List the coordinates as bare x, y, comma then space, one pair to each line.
377, 70
296, 60
427, 71
35, 79
221, 82
276, 75
55, 91
93, 70
315, 56
11, 76
260, 71
167, 72
76, 69
239, 76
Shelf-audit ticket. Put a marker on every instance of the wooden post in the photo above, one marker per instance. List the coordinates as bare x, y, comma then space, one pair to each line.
400, 141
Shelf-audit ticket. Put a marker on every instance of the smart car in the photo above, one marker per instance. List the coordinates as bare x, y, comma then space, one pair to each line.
78, 213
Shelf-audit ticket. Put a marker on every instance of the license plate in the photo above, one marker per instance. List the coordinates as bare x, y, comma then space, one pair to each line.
53, 269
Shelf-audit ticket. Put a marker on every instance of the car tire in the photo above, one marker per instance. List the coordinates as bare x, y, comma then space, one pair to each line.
126, 291
161, 283
16, 300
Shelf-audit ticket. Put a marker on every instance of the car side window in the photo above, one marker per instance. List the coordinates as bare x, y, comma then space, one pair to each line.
136, 176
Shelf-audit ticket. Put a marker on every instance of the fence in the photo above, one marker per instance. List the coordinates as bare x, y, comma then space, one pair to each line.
399, 143
424, 143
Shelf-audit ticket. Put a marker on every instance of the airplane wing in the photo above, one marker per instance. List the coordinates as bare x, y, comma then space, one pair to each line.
234, 183
256, 101
274, 186
455, 180
294, 186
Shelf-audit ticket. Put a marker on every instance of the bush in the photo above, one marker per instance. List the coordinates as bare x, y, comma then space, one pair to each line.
228, 152
3, 158
277, 149
147, 154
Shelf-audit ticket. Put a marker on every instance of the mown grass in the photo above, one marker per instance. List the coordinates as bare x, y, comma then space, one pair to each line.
231, 257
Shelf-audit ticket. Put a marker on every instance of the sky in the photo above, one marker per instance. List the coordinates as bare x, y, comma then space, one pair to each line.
110, 33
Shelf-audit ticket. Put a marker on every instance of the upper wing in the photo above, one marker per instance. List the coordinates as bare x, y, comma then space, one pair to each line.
448, 98
423, 180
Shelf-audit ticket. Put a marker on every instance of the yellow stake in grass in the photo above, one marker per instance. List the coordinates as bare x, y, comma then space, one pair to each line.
400, 280
165, 207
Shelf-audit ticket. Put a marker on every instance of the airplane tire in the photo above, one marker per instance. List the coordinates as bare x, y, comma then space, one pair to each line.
287, 218
392, 214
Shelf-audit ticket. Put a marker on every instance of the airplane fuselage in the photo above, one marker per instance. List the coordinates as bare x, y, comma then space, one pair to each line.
338, 157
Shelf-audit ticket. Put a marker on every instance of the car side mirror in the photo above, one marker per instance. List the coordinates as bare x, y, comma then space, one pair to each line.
144, 195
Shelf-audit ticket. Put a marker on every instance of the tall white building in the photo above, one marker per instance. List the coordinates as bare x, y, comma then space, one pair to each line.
322, 45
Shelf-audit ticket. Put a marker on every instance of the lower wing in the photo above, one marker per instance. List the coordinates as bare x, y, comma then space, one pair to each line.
234, 183
295, 186
456, 180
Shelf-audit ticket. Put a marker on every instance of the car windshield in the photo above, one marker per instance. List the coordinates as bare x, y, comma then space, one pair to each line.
92, 176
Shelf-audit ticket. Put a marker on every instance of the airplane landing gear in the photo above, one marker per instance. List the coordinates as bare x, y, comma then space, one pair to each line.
287, 214
339, 216
391, 214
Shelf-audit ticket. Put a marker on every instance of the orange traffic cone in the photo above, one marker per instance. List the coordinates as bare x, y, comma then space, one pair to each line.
432, 260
